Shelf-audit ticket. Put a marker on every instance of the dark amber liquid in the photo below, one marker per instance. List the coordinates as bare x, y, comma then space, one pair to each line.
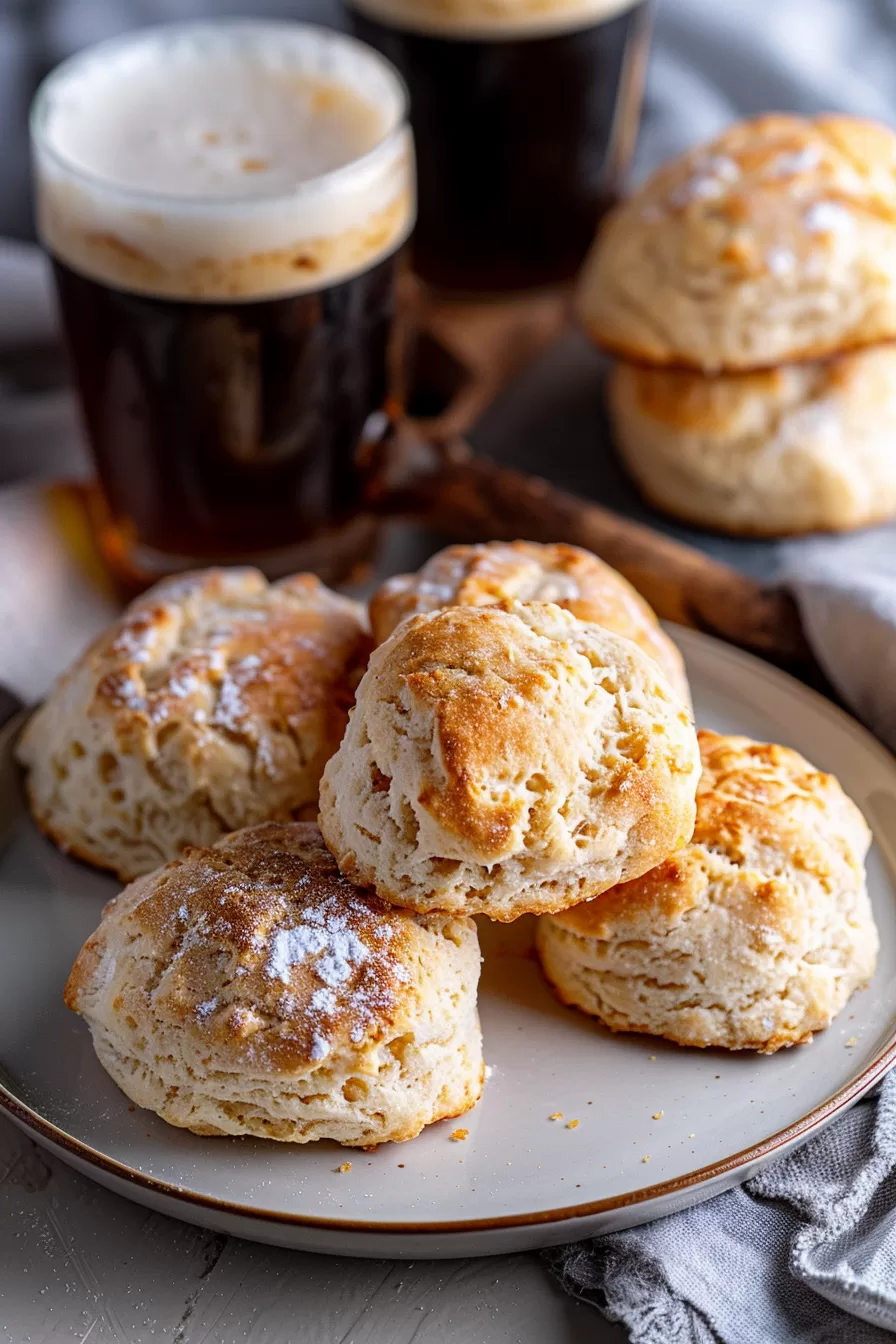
229, 431
520, 146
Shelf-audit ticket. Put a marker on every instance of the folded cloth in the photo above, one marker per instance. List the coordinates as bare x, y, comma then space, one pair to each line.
845, 588
804, 1253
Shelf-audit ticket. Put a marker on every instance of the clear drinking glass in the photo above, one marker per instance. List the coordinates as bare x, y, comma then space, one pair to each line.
525, 115
225, 205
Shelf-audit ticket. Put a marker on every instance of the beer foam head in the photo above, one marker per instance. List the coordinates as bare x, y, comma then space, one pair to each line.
223, 160
492, 19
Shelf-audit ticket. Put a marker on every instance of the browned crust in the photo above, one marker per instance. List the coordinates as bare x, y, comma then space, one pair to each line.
287, 678
746, 794
490, 572
237, 893
465, 665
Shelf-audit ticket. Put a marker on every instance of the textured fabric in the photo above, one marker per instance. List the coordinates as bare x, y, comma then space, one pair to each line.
846, 591
780, 1260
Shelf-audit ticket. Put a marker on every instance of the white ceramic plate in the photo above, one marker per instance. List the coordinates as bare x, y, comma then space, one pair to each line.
520, 1179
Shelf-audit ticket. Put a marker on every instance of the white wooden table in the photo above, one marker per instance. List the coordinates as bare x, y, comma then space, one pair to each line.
78, 1263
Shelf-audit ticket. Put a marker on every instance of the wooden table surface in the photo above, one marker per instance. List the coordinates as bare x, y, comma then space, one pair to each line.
78, 1263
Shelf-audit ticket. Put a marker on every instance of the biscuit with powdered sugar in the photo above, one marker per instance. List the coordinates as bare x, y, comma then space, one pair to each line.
213, 703
249, 989
773, 243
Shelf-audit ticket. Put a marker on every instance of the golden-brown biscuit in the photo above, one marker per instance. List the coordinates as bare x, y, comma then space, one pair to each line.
249, 989
753, 936
524, 571
507, 759
213, 703
802, 448
775, 242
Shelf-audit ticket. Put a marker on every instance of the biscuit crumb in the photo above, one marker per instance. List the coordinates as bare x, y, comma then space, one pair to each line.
573, 1124
853, 1040
646, 1158
344, 1167
657, 1115
558, 1115
458, 1135
692, 1136
651, 1059
255, 165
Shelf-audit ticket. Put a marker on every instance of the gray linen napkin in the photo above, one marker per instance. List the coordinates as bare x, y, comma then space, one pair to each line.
779, 1260
846, 591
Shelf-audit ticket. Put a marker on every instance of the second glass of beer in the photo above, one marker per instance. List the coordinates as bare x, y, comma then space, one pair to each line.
224, 205
525, 114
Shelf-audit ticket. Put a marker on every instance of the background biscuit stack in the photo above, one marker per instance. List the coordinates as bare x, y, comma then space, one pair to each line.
749, 291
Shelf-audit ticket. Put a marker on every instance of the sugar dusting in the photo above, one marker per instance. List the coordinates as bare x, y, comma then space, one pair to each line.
792, 163
827, 217
712, 176
780, 260
290, 947
169, 661
283, 953
326, 944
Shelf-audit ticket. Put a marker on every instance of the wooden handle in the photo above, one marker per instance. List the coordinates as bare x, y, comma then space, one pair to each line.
446, 487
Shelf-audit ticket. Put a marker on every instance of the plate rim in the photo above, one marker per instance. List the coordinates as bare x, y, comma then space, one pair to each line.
800, 1129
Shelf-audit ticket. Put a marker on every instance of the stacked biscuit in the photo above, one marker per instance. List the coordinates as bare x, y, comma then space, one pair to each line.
749, 293
520, 743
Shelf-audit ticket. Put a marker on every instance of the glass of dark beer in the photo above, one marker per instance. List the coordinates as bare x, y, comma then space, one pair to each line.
525, 114
225, 205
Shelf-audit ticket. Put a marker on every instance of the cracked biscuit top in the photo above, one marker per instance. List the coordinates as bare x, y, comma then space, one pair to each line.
508, 759
214, 703
773, 243
248, 988
527, 571
751, 937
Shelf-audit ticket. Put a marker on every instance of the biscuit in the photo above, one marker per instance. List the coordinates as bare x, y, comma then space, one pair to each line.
213, 703
249, 989
508, 759
802, 448
524, 571
752, 937
775, 242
